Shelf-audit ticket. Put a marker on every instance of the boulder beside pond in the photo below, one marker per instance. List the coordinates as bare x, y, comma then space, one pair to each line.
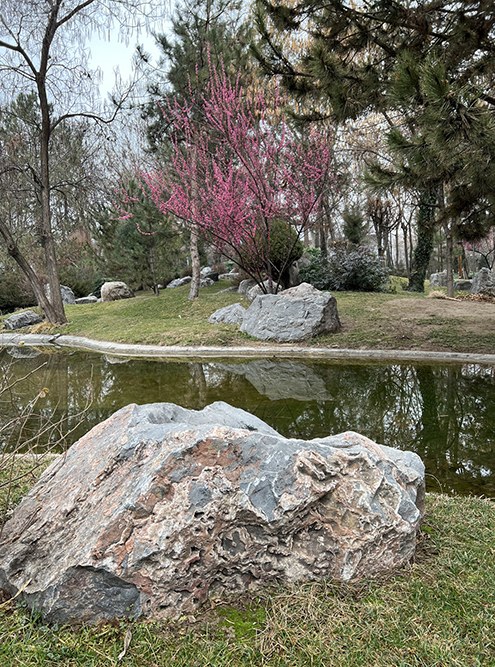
159, 507
20, 320
115, 290
295, 314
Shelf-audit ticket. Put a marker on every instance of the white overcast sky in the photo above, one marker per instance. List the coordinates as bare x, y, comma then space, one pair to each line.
114, 54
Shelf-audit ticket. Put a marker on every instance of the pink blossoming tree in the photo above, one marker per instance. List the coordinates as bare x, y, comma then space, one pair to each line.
235, 169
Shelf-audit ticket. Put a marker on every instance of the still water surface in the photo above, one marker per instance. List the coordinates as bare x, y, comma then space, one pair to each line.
445, 413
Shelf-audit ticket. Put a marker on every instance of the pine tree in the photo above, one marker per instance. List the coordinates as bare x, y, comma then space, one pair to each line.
429, 69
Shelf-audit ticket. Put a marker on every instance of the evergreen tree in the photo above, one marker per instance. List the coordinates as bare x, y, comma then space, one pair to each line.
433, 63
355, 228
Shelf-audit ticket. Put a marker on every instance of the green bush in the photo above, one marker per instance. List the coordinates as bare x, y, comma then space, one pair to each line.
357, 271
15, 291
284, 248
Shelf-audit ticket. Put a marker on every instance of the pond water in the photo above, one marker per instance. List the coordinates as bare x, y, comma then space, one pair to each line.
445, 413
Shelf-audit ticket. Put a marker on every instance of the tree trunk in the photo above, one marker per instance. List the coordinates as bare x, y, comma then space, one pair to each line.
406, 251
36, 285
424, 246
47, 240
449, 248
195, 263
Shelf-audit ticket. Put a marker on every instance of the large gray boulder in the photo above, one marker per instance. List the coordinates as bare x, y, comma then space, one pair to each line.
68, 296
159, 507
20, 320
484, 282
296, 314
233, 314
115, 290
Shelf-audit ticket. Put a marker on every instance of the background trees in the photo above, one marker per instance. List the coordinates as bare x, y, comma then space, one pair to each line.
428, 69
233, 172
42, 52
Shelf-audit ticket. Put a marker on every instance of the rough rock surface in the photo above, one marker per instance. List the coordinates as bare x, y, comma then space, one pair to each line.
484, 282
233, 275
19, 320
178, 282
158, 507
206, 282
462, 285
245, 285
116, 290
256, 290
438, 279
233, 314
298, 313
67, 294
86, 299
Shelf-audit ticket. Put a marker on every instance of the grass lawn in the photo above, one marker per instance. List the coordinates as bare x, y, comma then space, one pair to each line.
400, 320
438, 612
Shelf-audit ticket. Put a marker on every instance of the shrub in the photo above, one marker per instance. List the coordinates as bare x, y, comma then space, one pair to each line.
357, 271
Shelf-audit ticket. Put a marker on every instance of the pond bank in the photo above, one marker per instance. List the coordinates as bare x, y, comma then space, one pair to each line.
266, 351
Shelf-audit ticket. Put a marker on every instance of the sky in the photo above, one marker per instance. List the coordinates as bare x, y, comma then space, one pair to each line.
110, 55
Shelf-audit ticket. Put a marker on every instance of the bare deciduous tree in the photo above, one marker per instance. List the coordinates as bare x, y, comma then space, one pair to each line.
42, 49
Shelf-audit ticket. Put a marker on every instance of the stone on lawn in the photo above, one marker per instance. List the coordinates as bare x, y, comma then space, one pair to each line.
178, 282
159, 507
20, 320
438, 279
233, 314
86, 299
206, 282
484, 282
295, 314
68, 297
115, 290
245, 285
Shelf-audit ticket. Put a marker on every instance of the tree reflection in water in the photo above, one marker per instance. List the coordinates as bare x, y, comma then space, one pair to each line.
445, 413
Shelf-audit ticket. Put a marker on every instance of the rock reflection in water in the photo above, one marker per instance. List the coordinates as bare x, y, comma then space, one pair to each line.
446, 414
282, 379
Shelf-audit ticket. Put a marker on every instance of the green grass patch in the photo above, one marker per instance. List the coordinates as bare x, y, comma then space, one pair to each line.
439, 611
368, 322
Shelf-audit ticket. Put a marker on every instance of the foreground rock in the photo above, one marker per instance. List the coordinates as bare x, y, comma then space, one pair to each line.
159, 507
296, 314
116, 290
20, 320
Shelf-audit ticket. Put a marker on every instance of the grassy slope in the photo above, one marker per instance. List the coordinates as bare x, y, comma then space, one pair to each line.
171, 319
437, 612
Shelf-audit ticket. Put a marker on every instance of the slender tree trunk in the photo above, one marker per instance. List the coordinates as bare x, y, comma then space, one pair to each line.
449, 249
153, 272
47, 240
36, 285
195, 263
406, 251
